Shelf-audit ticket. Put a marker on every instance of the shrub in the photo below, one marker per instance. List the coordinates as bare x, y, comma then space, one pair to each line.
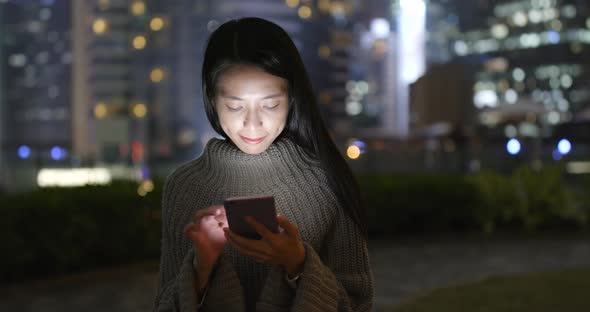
52, 231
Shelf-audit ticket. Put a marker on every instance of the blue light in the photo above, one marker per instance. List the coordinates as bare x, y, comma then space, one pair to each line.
57, 153
564, 146
553, 36
513, 146
360, 144
556, 155
24, 152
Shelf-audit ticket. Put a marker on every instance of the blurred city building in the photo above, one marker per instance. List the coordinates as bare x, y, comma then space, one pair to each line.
35, 103
116, 83
137, 85
533, 57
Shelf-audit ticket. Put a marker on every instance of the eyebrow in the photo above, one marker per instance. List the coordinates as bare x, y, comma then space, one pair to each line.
272, 96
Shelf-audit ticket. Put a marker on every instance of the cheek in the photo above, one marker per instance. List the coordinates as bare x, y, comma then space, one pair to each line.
282, 121
227, 122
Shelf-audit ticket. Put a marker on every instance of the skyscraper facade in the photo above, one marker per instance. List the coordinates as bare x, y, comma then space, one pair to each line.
533, 56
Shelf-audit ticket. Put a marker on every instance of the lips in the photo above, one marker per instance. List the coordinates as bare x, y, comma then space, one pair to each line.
252, 141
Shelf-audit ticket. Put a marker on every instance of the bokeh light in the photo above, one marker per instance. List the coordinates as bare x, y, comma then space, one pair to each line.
139, 110
138, 8
564, 146
353, 152
57, 153
100, 110
139, 42
157, 23
513, 146
100, 26
292, 3
157, 75
24, 152
304, 12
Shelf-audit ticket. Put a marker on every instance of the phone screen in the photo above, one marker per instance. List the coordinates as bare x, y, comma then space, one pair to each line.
260, 207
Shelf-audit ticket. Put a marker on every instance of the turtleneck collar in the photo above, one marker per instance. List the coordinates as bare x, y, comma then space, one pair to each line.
282, 153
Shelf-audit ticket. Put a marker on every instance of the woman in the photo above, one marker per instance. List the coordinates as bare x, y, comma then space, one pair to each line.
258, 97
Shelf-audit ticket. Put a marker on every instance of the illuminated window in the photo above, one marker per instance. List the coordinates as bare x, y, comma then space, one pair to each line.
157, 75
485, 98
511, 96
103, 4
100, 26
292, 3
535, 16
17, 60
138, 8
324, 51
499, 31
566, 81
100, 110
519, 19
518, 74
569, 11
304, 12
139, 42
139, 110
353, 108
461, 48
157, 23
324, 5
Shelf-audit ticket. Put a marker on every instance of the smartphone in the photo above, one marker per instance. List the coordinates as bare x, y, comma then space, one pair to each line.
259, 207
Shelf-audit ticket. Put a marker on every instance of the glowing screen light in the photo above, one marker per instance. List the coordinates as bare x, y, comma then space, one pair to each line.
513, 146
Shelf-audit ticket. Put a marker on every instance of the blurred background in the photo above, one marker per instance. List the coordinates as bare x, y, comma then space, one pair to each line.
467, 124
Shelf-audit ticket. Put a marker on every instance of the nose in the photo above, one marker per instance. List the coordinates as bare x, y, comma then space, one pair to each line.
252, 119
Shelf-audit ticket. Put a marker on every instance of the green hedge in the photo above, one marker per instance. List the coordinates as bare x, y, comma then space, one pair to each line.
526, 201
52, 231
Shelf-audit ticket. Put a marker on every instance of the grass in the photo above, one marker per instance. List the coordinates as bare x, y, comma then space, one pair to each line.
564, 291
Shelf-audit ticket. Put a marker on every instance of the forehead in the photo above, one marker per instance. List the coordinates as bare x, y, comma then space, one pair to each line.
248, 78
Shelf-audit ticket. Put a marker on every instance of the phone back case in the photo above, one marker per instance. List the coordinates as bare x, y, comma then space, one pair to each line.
260, 207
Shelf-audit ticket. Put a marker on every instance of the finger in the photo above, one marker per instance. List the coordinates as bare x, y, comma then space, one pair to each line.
250, 244
201, 213
261, 229
290, 228
262, 258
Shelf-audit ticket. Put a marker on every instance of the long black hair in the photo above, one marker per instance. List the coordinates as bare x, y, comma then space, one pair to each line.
261, 43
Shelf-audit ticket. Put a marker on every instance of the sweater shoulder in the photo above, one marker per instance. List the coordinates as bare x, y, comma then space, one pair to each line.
192, 167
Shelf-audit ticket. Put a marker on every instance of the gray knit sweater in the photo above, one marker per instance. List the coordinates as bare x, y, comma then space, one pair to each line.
336, 273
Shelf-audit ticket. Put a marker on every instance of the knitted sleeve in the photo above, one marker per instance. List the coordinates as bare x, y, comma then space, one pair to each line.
338, 280
167, 293
176, 290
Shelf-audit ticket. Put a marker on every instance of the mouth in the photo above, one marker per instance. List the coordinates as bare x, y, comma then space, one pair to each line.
252, 141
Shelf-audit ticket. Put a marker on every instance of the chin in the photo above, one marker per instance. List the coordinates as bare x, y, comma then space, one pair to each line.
253, 150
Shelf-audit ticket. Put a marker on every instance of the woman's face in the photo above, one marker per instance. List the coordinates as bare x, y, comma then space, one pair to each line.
252, 106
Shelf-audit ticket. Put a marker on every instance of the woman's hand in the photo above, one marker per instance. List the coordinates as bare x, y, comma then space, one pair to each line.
206, 233
284, 248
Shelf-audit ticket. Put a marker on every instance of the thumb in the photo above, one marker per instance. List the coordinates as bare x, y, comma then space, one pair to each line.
289, 227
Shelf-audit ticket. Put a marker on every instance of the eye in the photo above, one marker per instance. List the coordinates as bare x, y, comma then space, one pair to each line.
231, 109
271, 106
